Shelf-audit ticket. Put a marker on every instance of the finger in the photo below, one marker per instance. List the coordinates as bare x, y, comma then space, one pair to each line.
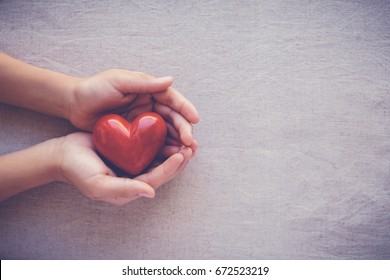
172, 132
175, 100
173, 142
163, 173
179, 122
109, 188
138, 82
187, 154
140, 100
119, 201
194, 147
168, 151
130, 116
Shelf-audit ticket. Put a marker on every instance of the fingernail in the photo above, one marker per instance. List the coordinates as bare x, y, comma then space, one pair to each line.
165, 79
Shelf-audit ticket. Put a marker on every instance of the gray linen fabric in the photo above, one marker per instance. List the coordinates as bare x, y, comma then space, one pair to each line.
294, 98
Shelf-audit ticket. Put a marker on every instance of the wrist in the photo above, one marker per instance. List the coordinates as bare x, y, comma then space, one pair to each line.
68, 85
51, 149
58, 154
76, 103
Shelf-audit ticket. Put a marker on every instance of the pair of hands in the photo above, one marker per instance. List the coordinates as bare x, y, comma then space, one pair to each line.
128, 94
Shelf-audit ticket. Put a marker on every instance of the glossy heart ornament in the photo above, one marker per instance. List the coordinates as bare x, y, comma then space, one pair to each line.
130, 146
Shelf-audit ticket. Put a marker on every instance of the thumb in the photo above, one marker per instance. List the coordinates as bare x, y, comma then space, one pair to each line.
138, 82
110, 188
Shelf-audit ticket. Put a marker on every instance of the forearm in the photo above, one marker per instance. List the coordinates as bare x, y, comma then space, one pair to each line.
35, 88
25, 169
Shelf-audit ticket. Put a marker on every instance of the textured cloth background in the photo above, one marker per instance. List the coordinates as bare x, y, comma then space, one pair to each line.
294, 98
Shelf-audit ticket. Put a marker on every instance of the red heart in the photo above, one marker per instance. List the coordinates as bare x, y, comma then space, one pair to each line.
130, 146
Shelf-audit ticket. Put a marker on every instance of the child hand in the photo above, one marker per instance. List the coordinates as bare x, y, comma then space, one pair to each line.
130, 94
79, 165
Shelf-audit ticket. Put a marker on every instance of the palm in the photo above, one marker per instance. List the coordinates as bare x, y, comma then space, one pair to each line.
95, 97
80, 164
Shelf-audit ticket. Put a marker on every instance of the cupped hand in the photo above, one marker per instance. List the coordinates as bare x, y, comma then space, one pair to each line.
130, 94
79, 165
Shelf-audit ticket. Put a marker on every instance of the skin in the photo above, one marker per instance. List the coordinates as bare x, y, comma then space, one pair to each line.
72, 159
